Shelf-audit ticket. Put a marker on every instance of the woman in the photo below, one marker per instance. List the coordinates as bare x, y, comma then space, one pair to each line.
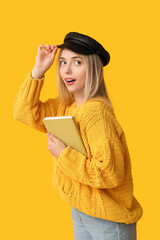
100, 187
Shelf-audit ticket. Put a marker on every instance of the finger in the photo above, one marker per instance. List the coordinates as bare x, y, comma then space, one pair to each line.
54, 52
52, 47
47, 47
40, 47
51, 137
51, 144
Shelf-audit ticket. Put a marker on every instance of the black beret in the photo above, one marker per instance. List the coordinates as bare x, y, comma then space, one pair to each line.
86, 45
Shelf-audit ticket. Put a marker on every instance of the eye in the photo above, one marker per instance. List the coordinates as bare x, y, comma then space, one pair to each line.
62, 62
77, 62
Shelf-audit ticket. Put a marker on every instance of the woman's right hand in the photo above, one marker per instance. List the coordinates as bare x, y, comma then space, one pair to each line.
44, 59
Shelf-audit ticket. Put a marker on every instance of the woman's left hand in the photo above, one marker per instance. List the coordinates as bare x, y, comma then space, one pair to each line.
55, 146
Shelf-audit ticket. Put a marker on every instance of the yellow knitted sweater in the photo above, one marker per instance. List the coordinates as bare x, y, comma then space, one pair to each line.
101, 185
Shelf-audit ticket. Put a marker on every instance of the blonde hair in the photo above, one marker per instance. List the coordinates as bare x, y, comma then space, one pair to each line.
94, 85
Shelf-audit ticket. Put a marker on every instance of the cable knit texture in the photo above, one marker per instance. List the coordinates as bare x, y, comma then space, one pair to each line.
100, 185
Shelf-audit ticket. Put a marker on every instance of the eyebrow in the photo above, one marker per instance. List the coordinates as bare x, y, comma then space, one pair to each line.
72, 57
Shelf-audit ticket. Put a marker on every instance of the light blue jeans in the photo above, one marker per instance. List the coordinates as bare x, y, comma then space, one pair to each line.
86, 227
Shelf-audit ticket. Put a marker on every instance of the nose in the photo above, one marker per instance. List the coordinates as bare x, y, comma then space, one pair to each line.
68, 68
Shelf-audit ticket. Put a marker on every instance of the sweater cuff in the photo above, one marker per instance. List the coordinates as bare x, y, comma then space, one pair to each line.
30, 89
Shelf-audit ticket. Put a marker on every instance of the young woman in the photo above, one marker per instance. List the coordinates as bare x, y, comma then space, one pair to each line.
100, 187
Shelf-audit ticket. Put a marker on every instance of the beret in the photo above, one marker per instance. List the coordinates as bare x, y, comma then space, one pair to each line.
86, 45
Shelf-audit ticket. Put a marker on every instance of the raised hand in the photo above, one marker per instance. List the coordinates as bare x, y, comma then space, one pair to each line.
44, 59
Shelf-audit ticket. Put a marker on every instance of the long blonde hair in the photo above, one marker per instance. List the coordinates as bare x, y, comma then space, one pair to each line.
94, 85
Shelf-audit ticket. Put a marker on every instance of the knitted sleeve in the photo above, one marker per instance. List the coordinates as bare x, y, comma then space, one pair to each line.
105, 167
28, 108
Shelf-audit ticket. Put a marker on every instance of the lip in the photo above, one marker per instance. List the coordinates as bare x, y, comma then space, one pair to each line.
69, 78
69, 83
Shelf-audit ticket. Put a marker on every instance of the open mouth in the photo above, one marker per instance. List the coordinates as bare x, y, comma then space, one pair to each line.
70, 80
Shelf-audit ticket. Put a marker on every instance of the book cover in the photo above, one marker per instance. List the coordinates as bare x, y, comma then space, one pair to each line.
66, 129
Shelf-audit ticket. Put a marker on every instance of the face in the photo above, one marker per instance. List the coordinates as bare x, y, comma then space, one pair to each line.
73, 72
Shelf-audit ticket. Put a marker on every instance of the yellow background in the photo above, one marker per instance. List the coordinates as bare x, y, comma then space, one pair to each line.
129, 30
